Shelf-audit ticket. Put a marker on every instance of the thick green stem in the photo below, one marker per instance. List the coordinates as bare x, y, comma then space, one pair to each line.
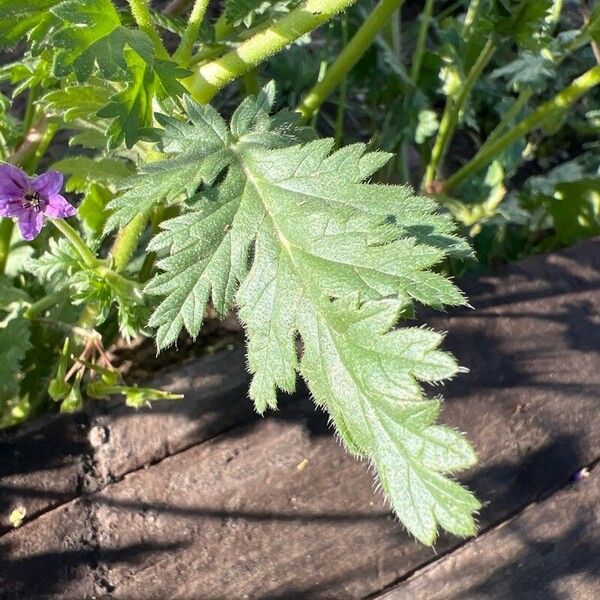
127, 241
349, 56
143, 19
421, 39
563, 100
211, 77
184, 51
452, 113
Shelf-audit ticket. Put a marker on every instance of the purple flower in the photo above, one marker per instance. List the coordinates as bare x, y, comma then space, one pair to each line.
30, 199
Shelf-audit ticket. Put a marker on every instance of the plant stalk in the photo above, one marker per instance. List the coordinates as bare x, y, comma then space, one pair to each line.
421, 39
452, 113
211, 77
77, 243
184, 51
563, 100
349, 56
127, 240
143, 19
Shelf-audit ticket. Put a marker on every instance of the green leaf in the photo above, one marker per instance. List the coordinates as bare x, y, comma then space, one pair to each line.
83, 169
132, 109
57, 265
92, 35
76, 102
575, 209
22, 18
202, 148
249, 12
14, 343
297, 238
528, 69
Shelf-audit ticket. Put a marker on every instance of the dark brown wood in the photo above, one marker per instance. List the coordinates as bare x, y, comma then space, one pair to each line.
244, 515
550, 551
55, 459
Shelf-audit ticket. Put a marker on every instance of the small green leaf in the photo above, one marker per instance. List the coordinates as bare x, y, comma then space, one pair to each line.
92, 35
20, 18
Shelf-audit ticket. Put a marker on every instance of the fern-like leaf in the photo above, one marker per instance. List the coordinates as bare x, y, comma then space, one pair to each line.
295, 236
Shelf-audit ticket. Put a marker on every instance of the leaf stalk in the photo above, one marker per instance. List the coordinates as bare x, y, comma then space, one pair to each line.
561, 102
349, 56
211, 77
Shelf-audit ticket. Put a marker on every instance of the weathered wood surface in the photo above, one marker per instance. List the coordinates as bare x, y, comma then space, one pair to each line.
549, 551
56, 459
235, 516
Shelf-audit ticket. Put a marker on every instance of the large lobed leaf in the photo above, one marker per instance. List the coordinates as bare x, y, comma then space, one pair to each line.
293, 234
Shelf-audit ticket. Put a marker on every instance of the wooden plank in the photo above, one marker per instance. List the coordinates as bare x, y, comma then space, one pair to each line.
55, 459
549, 551
242, 520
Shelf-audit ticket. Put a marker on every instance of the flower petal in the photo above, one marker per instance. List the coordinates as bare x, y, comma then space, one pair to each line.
13, 182
48, 184
12, 208
30, 224
58, 208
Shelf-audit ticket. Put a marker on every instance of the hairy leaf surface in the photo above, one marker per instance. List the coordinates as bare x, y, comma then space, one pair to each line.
292, 233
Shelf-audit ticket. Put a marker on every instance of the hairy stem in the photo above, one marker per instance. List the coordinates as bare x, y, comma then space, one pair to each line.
127, 241
349, 56
211, 77
143, 19
77, 243
421, 39
563, 100
452, 113
184, 51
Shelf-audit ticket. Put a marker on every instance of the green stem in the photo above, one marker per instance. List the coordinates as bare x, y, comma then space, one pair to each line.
222, 27
127, 241
563, 100
421, 39
184, 51
30, 109
349, 56
48, 301
141, 14
510, 114
6, 231
584, 36
71, 235
211, 77
452, 113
